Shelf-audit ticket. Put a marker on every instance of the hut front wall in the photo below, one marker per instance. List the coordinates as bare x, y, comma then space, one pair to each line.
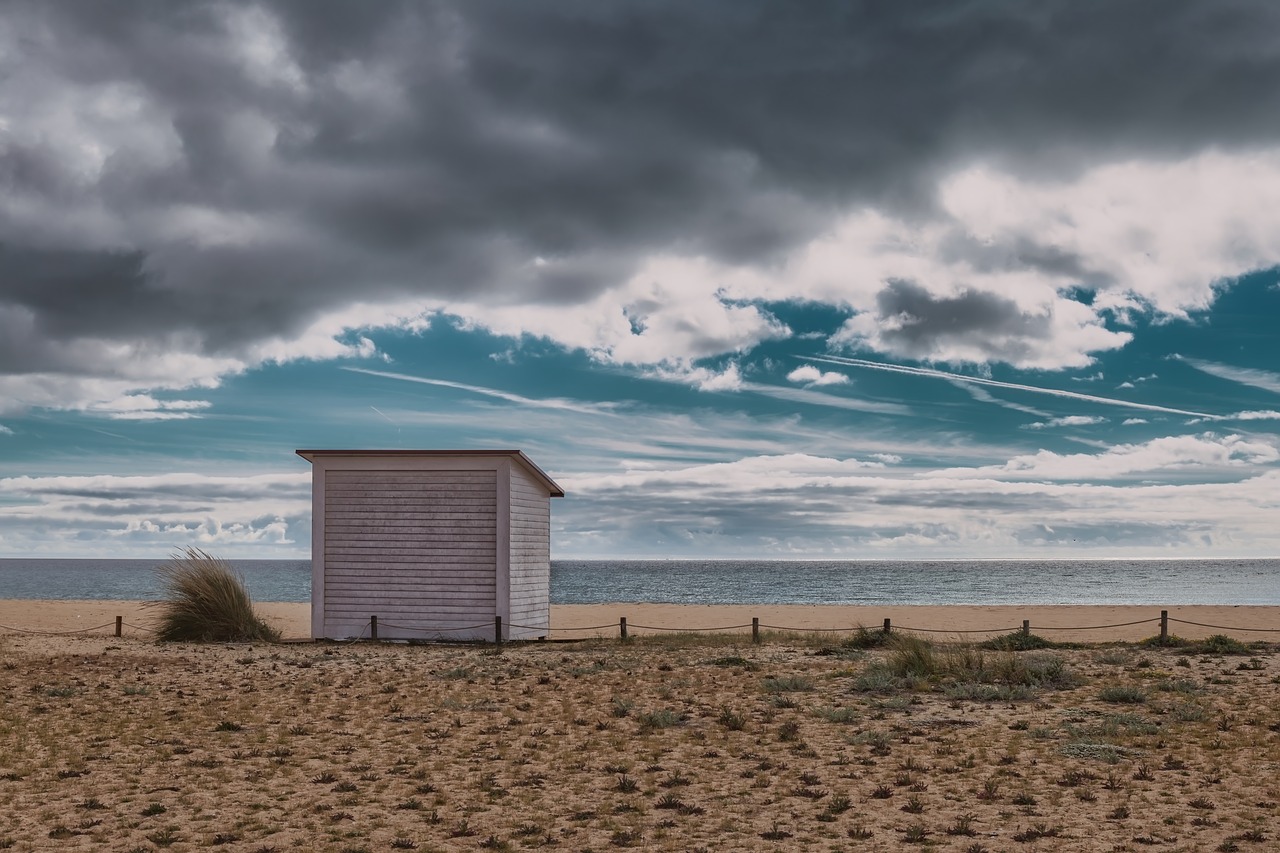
530, 566
418, 548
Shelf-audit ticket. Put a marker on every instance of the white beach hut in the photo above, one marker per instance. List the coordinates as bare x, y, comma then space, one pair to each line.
434, 543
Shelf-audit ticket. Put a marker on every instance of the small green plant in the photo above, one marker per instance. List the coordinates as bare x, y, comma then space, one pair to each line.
163, 837
775, 833
663, 718
787, 684
732, 720
207, 602
915, 834
963, 825
839, 715
1036, 832
839, 804
1123, 694
668, 801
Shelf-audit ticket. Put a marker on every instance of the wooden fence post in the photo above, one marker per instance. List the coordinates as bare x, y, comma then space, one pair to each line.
1164, 626
373, 627
119, 624
497, 630
1026, 627
622, 627
755, 630
888, 626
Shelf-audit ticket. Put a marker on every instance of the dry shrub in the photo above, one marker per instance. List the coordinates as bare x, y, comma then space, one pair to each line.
207, 602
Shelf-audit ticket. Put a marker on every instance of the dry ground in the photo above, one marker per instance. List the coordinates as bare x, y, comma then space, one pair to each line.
681, 745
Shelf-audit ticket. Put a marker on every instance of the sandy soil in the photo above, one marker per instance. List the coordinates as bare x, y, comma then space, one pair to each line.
661, 743
576, 621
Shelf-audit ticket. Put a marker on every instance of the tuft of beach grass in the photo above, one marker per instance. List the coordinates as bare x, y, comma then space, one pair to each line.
206, 601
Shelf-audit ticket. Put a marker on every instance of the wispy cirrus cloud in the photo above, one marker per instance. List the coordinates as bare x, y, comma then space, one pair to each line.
1012, 386
508, 396
1267, 380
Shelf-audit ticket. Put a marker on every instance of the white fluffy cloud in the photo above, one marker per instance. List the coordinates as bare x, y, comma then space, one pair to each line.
1067, 420
796, 505
807, 374
1170, 454
155, 514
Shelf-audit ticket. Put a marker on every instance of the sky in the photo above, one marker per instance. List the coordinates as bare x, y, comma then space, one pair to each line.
748, 279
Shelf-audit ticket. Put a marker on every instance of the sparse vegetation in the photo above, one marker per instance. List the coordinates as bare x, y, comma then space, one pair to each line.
659, 746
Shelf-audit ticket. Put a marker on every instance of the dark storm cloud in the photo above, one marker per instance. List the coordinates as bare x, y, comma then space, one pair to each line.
913, 321
391, 150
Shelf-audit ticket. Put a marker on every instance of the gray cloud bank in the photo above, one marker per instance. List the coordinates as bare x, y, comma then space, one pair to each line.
193, 188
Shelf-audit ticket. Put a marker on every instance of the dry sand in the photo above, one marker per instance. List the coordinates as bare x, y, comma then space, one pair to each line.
665, 743
573, 621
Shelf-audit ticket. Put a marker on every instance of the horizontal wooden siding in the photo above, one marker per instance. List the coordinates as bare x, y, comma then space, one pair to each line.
414, 548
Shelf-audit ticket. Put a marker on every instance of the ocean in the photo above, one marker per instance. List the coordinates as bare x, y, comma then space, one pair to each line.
1166, 582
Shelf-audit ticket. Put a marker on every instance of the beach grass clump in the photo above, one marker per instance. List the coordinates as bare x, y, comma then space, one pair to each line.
911, 657
207, 602
866, 638
1168, 641
1221, 644
1017, 641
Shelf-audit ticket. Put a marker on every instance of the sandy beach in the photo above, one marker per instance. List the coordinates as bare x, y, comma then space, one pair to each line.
666, 743
1075, 623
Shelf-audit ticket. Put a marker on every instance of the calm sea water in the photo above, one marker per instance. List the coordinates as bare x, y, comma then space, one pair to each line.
748, 581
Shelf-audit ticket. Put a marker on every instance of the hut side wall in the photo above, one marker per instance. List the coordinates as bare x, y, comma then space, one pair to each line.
418, 548
530, 564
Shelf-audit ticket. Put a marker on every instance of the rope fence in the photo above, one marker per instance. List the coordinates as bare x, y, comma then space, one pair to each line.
496, 632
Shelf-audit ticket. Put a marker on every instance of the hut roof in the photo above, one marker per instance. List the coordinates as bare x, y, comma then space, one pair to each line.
517, 455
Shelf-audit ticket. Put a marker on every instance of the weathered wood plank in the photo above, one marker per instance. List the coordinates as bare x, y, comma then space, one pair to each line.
340, 476
417, 596
371, 570
409, 548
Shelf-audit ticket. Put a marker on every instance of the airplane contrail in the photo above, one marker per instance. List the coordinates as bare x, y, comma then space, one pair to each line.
543, 402
993, 383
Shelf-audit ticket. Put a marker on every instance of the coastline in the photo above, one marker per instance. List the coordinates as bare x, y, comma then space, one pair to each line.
1076, 623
